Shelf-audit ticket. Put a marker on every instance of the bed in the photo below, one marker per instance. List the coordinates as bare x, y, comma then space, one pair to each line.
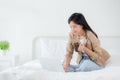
51, 51
48, 55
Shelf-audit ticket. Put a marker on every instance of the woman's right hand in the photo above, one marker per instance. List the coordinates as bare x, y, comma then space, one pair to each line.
65, 66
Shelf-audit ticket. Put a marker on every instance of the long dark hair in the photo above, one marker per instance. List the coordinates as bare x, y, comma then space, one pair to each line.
79, 19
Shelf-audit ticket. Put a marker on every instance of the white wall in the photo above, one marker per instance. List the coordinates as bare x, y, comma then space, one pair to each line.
23, 20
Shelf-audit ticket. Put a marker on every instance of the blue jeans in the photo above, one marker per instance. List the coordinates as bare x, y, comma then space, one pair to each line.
86, 64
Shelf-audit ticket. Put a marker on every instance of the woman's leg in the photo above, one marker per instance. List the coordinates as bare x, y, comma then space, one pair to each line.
72, 68
88, 65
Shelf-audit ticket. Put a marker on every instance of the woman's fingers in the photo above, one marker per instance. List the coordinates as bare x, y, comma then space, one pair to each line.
65, 67
81, 47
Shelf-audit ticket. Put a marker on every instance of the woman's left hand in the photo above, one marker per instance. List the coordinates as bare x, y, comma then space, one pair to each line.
81, 47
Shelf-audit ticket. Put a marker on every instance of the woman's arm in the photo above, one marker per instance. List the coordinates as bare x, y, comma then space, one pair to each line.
96, 53
69, 52
84, 48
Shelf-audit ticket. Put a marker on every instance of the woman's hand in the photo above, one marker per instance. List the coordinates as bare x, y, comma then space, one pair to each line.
65, 66
81, 47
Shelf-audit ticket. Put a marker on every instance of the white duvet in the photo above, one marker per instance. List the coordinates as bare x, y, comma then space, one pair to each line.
22, 72
110, 73
51, 69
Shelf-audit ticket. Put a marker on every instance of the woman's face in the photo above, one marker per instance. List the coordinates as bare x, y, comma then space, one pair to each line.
75, 28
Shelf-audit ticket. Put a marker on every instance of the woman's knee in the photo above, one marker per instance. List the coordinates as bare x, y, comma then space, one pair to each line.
88, 65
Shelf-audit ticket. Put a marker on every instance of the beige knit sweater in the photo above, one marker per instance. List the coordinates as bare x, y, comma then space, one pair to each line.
99, 55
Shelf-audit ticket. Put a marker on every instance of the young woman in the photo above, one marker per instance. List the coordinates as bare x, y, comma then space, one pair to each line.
85, 41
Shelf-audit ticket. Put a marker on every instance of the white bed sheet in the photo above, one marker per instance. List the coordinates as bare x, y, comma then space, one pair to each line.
22, 72
109, 73
51, 69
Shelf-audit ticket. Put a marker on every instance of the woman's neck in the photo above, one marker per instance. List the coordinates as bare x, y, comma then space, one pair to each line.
81, 34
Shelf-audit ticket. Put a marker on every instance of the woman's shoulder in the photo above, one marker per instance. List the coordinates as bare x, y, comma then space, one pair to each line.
91, 36
89, 33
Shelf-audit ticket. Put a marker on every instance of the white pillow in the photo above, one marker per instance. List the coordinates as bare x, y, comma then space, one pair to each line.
52, 48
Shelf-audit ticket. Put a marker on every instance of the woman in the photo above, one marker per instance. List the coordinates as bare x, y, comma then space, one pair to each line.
85, 41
